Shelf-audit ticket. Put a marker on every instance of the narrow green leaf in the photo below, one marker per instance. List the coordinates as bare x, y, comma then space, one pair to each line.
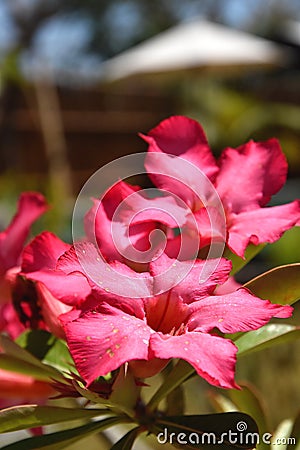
30, 416
13, 352
13, 364
47, 348
265, 337
13, 349
175, 400
248, 401
237, 262
96, 398
279, 285
180, 373
63, 439
36, 342
127, 441
226, 431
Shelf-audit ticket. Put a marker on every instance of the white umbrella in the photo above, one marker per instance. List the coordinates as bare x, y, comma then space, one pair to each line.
291, 30
194, 45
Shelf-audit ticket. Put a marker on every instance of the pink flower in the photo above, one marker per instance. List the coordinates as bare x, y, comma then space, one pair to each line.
37, 306
244, 178
31, 206
41, 261
128, 225
16, 388
108, 331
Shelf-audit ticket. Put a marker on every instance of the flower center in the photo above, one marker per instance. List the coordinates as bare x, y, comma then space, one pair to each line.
167, 313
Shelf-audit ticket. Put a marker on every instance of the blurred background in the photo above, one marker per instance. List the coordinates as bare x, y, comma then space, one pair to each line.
79, 79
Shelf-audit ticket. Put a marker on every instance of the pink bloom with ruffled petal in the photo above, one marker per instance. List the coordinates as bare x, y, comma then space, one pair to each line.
129, 226
244, 178
38, 271
40, 262
30, 207
179, 323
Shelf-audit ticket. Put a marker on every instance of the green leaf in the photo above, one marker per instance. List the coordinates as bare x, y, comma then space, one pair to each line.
96, 398
13, 349
36, 342
125, 391
248, 401
47, 348
13, 364
127, 440
17, 359
180, 373
63, 439
209, 431
237, 262
30, 416
279, 285
265, 337
175, 400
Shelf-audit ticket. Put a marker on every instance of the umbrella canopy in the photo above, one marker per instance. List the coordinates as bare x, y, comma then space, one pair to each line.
194, 45
291, 30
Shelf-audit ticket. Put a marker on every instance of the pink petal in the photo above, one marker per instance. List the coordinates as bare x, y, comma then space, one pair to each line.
115, 195
185, 175
98, 230
206, 227
166, 313
191, 280
31, 206
231, 285
98, 220
51, 310
66, 282
105, 278
184, 246
261, 226
164, 209
144, 224
43, 252
213, 357
234, 312
68, 261
211, 222
24, 388
184, 137
9, 321
70, 289
140, 238
138, 244
115, 278
250, 174
101, 341
7, 282
125, 232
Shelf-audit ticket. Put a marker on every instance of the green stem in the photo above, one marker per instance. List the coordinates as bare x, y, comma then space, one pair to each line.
180, 373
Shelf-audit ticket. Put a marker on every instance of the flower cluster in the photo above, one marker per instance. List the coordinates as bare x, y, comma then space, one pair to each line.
167, 303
